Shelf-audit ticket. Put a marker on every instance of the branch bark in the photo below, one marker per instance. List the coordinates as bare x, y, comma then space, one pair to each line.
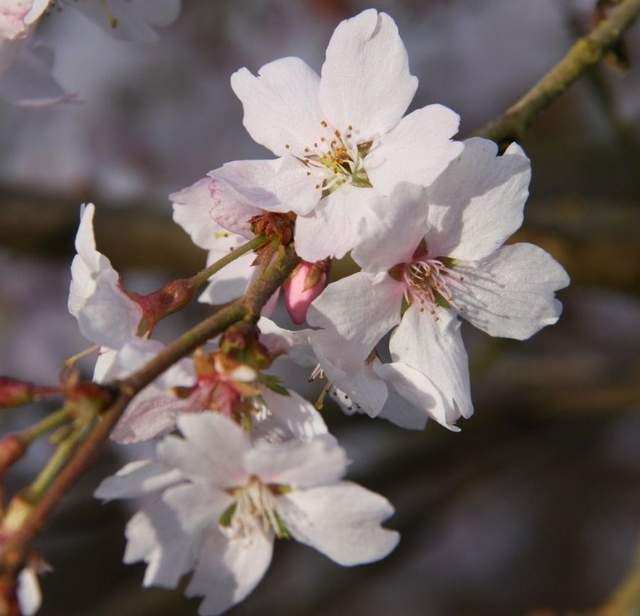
584, 54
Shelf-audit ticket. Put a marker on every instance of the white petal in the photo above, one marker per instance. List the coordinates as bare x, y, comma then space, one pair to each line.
355, 313
105, 315
212, 450
230, 282
193, 211
138, 478
400, 225
298, 464
155, 537
418, 150
365, 78
104, 365
342, 521
281, 106
422, 395
243, 188
434, 347
482, 197
228, 570
35, 12
280, 341
197, 506
290, 417
511, 292
28, 592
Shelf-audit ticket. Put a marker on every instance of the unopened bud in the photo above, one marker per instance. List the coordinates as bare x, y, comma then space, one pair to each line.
303, 286
15, 393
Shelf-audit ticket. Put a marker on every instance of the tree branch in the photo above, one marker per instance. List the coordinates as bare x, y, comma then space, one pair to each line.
584, 54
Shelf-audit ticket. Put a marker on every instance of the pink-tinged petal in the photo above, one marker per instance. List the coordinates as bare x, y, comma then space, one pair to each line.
137, 479
298, 464
432, 345
281, 106
511, 292
299, 292
230, 282
152, 413
193, 210
425, 400
418, 150
211, 452
342, 521
365, 80
354, 314
399, 227
155, 537
289, 417
228, 570
479, 201
245, 187
339, 223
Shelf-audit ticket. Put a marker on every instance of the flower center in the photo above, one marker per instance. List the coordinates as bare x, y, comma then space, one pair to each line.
429, 282
254, 508
338, 159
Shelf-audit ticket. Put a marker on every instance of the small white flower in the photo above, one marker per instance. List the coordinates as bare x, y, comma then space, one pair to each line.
218, 501
438, 252
28, 591
340, 137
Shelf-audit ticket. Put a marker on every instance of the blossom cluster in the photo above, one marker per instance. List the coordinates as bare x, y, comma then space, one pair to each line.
26, 77
242, 459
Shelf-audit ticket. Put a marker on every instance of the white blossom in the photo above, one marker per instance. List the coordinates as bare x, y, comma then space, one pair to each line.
340, 137
217, 501
438, 254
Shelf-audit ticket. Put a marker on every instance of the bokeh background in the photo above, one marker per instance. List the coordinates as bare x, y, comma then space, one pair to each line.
535, 507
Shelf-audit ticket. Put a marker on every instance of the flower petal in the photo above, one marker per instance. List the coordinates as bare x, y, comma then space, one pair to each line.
432, 345
230, 282
424, 399
136, 479
243, 188
365, 78
355, 313
418, 150
228, 570
290, 417
342, 521
281, 106
400, 225
105, 315
298, 464
482, 197
155, 537
28, 592
211, 451
280, 341
193, 210
511, 292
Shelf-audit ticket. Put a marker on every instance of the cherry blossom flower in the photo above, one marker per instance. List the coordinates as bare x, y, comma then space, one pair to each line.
340, 137
17, 17
372, 390
215, 502
214, 383
106, 315
438, 254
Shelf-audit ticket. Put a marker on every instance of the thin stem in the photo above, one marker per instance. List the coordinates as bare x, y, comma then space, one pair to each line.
47, 424
202, 277
584, 54
70, 361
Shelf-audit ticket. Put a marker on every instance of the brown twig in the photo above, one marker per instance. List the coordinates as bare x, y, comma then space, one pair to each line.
585, 53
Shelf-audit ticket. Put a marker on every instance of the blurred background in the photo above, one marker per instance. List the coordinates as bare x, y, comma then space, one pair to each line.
535, 507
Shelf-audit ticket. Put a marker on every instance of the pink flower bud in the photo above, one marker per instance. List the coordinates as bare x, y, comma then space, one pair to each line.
303, 286
15, 393
12, 448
